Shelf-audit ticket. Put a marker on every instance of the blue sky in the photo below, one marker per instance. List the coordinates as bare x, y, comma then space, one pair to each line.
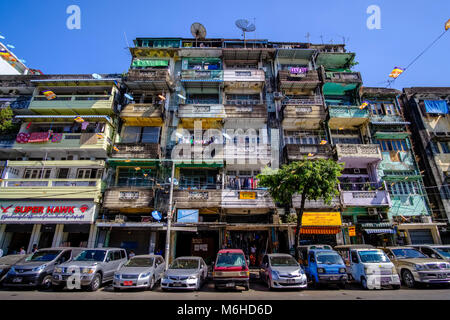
38, 31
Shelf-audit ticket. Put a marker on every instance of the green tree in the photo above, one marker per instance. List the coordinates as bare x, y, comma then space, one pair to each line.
6, 116
312, 179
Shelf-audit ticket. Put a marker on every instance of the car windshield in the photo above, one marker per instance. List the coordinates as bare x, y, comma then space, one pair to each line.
229, 259
184, 264
373, 256
407, 253
329, 258
91, 255
326, 247
283, 262
44, 255
445, 251
139, 262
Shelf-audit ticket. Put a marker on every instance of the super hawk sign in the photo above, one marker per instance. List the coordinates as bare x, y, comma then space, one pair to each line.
47, 212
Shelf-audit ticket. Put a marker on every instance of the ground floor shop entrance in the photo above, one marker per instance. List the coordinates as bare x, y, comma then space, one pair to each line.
46, 236
254, 243
76, 235
203, 244
16, 236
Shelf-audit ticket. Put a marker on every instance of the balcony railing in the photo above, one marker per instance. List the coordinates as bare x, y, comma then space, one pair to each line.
102, 103
387, 118
49, 183
147, 110
299, 151
303, 101
358, 150
201, 111
202, 101
242, 102
64, 141
244, 75
348, 112
343, 76
202, 75
136, 150
308, 76
149, 75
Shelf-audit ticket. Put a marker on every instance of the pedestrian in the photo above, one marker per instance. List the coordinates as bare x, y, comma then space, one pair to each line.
253, 254
131, 254
22, 250
35, 248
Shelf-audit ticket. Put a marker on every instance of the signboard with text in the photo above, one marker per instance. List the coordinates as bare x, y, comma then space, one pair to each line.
187, 215
328, 219
47, 211
246, 195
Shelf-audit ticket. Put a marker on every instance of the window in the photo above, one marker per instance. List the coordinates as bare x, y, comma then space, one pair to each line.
63, 173
444, 147
132, 134
355, 257
117, 255
37, 174
111, 256
393, 145
434, 148
65, 256
89, 173
123, 254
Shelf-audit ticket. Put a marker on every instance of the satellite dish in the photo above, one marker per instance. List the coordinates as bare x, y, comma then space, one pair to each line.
156, 215
96, 76
245, 26
198, 31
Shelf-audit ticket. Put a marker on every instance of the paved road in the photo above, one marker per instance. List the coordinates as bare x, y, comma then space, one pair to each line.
257, 291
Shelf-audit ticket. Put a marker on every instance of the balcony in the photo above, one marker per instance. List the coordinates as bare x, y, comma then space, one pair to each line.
251, 199
364, 195
197, 199
296, 152
303, 115
153, 79
407, 205
397, 161
199, 111
51, 189
347, 116
290, 79
206, 78
246, 110
343, 77
142, 114
117, 198
314, 204
73, 105
358, 155
250, 154
245, 78
443, 161
137, 151
303, 101
387, 120
96, 145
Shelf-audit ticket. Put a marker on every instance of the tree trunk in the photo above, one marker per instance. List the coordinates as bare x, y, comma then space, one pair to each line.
299, 221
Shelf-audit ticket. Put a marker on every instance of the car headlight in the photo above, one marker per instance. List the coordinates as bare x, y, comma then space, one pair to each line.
58, 270
320, 270
88, 270
193, 277
12, 270
244, 273
448, 266
144, 275
342, 270
419, 267
39, 268
274, 274
117, 276
369, 270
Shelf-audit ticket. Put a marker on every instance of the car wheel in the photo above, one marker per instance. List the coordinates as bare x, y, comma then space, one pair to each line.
95, 283
152, 283
316, 285
364, 284
46, 282
58, 287
247, 287
342, 285
116, 289
408, 279
198, 285
396, 286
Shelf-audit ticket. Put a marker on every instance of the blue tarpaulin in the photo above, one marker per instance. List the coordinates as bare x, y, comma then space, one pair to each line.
436, 106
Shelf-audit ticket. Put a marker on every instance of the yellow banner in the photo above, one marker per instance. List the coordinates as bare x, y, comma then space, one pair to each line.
321, 219
247, 195
352, 231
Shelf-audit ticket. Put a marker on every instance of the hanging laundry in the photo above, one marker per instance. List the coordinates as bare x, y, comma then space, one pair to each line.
50, 95
28, 125
323, 142
79, 119
363, 105
57, 137
116, 149
23, 137
39, 137
99, 135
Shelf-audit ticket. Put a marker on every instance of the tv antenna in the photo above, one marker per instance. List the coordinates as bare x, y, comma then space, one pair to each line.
245, 26
198, 31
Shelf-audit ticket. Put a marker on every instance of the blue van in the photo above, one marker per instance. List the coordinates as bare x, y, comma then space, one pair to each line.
325, 267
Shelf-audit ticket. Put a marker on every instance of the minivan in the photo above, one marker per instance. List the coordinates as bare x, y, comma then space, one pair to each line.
231, 269
325, 267
95, 266
37, 269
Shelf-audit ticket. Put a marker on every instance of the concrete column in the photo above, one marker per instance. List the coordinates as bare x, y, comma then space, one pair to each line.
173, 239
35, 235
92, 236
57, 238
152, 245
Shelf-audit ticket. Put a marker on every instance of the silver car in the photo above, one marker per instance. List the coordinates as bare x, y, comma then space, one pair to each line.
93, 266
279, 270
141, 271
188, 273
436, 251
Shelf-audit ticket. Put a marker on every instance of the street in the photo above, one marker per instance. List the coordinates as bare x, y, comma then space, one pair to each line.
258, 291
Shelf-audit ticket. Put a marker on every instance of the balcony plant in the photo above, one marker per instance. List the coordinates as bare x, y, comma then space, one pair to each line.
312, 179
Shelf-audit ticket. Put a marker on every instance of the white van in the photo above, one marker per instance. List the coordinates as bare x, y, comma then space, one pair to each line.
370, 267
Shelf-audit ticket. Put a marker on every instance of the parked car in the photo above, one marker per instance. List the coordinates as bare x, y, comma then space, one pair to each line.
6, 262
231, 269
36, 270
303, 250
185, 273
280, 270
441, 252
415, 267
369, 266
325, 267
142, 271
96, 266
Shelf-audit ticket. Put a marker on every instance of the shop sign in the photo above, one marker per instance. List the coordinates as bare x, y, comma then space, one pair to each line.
298, 70
376, 225
352, 231
198, 195
321, 219
245, 195
47, 212
187, 215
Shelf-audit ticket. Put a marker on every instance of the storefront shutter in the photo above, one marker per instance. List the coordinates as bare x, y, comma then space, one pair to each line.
422, 236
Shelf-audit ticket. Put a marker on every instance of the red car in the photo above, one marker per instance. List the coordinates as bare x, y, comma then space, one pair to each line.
231, 269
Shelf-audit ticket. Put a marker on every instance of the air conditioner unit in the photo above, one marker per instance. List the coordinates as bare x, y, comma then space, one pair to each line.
277, 95
372, 211
426, 219
356, 170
